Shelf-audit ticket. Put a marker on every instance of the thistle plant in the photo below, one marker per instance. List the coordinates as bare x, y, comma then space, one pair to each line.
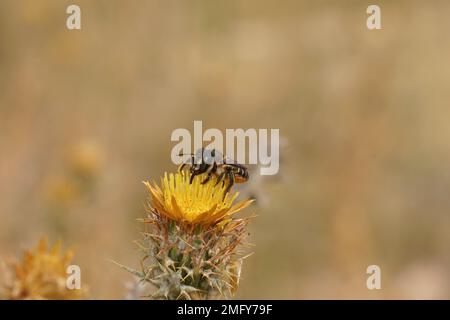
41, 275
191, 239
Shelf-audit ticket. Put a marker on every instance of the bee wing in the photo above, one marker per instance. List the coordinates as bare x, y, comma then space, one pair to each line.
199, 156
212, 155
228, 160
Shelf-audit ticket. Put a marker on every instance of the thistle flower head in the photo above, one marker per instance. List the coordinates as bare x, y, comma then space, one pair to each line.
191, 240
41, 275
194, 203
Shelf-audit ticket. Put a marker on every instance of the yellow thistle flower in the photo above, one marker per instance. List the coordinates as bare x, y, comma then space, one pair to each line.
194, 203
191, 241
41, 275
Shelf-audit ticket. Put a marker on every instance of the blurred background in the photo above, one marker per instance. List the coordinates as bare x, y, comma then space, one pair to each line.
86, 115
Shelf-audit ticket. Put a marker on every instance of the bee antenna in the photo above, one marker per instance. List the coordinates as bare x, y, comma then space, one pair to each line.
185, 154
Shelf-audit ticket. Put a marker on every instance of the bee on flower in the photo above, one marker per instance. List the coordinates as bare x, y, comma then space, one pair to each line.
192, 238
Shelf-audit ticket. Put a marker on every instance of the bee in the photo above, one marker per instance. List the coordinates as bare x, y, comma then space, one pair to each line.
223, 170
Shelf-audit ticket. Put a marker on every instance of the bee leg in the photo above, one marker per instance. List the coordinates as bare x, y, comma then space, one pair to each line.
181, 167
212, 169
208, 177
220, 178
193, 174
195, 171
230, 183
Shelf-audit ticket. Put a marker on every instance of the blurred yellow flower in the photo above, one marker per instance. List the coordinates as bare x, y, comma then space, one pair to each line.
41, 275
193, 203
86, 159
60, 191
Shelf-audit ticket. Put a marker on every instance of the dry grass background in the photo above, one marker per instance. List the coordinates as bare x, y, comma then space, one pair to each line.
85, 116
